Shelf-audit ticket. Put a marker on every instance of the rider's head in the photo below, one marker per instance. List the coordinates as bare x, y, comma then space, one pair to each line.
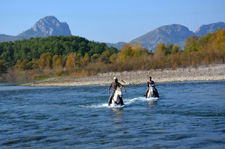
115, 79
150, 78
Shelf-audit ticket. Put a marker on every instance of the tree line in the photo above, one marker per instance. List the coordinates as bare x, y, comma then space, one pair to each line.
33, 48
76, 56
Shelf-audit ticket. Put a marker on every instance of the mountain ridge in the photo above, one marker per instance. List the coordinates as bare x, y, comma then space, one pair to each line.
173, 33
204, 29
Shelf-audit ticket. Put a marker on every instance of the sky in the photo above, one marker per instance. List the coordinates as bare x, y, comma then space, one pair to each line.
110, 20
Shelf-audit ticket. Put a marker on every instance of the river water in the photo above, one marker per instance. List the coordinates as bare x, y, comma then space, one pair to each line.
187, 115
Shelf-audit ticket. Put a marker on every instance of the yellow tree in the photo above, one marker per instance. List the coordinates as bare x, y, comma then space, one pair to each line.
85, 60
175, 49
105, 56
24, 65
57, 62
94, 57
72, 59
191, 44
113, 58
138, 51
220, 41
160, 51
34, 63
125, 52
45, 61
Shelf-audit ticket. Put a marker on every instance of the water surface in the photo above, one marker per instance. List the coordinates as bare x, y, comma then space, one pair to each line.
187, 115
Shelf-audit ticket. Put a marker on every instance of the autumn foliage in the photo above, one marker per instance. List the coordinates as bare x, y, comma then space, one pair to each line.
78, 57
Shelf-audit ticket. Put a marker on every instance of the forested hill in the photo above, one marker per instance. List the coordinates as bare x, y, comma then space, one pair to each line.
33, 48
75, 56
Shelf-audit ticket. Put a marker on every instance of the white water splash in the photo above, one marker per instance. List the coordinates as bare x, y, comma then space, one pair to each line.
130, 101
101, 105
126, 103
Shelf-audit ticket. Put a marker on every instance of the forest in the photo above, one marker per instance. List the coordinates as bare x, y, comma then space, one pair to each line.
75, 56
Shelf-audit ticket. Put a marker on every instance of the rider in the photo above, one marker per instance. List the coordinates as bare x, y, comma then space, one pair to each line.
150, 83
114, 86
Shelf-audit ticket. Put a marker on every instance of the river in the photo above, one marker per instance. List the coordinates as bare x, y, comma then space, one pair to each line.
187, 115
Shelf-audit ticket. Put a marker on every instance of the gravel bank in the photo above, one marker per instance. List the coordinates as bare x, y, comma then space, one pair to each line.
203, 73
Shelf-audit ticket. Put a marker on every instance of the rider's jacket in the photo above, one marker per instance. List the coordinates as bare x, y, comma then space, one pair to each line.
152, 83
115, 85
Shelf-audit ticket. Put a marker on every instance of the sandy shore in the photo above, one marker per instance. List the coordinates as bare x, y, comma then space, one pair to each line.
203, 73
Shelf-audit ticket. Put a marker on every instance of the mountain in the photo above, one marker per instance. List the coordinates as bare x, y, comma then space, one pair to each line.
175, 34
205, 29
117, 45
47, 26
5, 38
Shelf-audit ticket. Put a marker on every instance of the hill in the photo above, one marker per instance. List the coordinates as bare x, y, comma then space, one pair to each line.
33, 48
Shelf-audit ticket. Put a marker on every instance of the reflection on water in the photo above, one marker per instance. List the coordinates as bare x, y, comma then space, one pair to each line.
152, 102
117, 117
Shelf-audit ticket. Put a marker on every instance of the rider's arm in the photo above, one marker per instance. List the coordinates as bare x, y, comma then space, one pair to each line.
120, 85
109, 88
124, 89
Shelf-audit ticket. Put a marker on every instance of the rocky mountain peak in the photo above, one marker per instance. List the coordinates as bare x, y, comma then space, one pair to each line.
47, 26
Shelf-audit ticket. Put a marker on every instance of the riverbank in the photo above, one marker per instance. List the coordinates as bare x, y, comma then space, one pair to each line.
202, 73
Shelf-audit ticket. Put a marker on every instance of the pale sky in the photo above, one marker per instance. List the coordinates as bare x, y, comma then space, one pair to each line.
110, 20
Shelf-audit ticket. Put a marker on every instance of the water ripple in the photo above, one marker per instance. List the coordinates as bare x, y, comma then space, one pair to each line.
187, 115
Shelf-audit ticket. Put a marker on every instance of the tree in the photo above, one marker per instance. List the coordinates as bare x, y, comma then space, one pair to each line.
113, 58
169, 48
72, 59
94, 57
220, 40
35, 63
3, 67
57, 62
126, 51
45, 61
160, 51
105, 56
191, 44
24, 65
175, 49
138, 51
85, 60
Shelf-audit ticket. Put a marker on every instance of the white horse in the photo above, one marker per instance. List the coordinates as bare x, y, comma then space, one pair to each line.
152, 92
116, 99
